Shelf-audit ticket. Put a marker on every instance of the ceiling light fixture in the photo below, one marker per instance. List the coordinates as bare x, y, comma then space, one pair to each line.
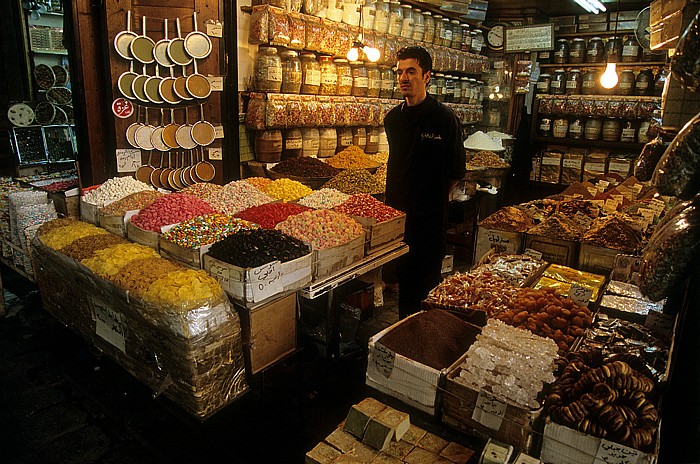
587, 6
371, 53
609, 78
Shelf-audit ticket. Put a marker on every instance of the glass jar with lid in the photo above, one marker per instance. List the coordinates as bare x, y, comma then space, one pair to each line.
429, 21
359, 137
395, 18
344, 80
360, 81
612, 129
440, 83
574, 82
381, 16
477, 41
446, 32
591, 80
465, 90
577, 51
457, 92
372, 146
439, 33
561, 51
473, 91
328, 142
449, 92
558, 84
466, 44
310, 141
351, 12
329, 76
543, 83
369, 14
630, 50
456, 35
576, 128
387, 85
544, 57
593, 129
560, 128
625, 85
291, 72
407, 21
268, 70
418, 25
432, 87
374, 80
544, 128
595, 50
644, 85
311, 74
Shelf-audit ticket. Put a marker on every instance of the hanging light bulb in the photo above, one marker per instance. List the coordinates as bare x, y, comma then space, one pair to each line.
609, 78
372, 53
353, 53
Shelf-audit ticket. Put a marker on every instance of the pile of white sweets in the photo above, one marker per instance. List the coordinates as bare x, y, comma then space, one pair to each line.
513, 364
114, 189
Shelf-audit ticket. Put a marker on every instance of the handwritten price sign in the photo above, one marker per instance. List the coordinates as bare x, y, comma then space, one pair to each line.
265, 281
489, 410
580, 295
382, 359
128, 159
613, 453
110, 325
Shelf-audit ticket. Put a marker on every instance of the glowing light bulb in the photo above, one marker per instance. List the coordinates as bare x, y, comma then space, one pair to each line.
353, 54
372, 53
609, 78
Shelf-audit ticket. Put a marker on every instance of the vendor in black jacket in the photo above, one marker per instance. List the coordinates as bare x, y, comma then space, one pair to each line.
426, 159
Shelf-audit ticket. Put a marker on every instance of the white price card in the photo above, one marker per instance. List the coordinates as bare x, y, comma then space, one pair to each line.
660, 323
496, 238
128, 159
220, 273
110, 325
381, 359
215, 153
215, 29
580, 295
533, 253
489, 410
216, 82
523, 458
265, 281
218, 132
593, 191
129, 214
614, 453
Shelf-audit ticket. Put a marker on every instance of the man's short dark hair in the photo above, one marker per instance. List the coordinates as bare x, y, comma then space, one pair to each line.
420, 54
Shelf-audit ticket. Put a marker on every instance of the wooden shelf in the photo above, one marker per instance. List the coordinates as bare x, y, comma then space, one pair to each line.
594, 34
602, 65
634, 146
50, 52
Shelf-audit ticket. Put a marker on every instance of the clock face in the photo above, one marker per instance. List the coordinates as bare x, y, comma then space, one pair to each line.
494, 38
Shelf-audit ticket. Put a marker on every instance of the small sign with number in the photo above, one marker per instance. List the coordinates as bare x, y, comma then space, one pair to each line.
122, 108
220, 273
218, 132
489, 410
215, 153
265, 281
110, 325
580, 295
128, 159
533, 253
614, 453
215, 29
217, 83
382, 359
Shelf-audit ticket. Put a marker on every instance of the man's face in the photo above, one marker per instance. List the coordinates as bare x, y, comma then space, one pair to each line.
412, 79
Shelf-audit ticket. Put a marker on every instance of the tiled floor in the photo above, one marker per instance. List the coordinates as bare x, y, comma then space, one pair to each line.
61, 402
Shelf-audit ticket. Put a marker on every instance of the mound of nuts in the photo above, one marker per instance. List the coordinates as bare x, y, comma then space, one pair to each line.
607, 399
547, 313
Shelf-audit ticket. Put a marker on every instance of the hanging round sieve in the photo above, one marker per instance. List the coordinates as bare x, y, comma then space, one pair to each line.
160, 51
169, 132
197, 44
180, 86
125, 80
197, 85
157, 136
122, 41
143, 173
142, 136
138, 86
155, 175
203, 132
167, 90
152, 87
142, 46
131, 130
183, 135
176, 48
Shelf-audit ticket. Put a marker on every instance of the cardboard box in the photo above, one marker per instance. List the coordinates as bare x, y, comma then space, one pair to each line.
458, 410
143, 237
333, 260
500, 240
382, 234
89, 212
627, 25
251, 286
624, 15
402, 378
190, 257
593, 18
554, 250
563, 445
596, 259
66, 205
592, 27
269, 332
115, 224
570, 29
564, 20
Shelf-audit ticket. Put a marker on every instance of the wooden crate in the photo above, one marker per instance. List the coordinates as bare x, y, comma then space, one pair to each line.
143, 237
66, 205
190, 257
554, 250
269, 331
252, 286
115, 224
333, 260
379, 235
89, 213
193, 357
460, 402
500, 240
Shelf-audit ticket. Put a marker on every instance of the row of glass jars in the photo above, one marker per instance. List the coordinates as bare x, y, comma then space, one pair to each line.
449, 88
607, 130
390, 16
575, 82
321, 142
596, 50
